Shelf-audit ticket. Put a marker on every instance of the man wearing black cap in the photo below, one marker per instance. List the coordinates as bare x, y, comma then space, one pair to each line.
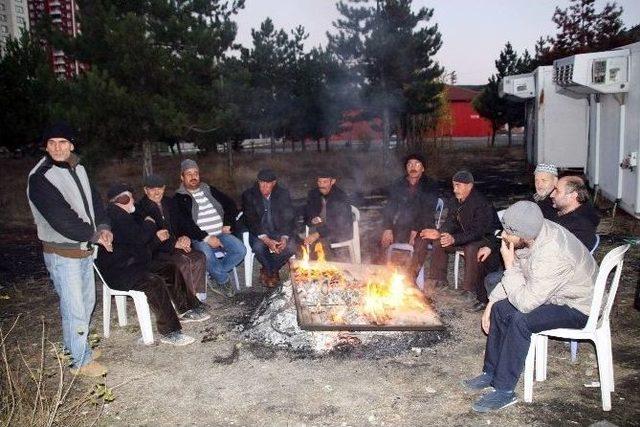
184, 264
70, 220
128, 267
411, 205
269, 216
470, 219
327, 212
213, 217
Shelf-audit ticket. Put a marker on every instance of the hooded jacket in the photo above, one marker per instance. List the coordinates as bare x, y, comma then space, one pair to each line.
582, 222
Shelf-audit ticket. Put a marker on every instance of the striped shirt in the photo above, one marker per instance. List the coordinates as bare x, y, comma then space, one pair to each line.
209, 219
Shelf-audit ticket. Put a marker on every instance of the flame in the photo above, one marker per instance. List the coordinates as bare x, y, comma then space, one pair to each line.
382, 297
305, 258
319, 250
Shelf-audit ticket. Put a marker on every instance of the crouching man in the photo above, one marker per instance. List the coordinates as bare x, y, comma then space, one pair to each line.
547, 284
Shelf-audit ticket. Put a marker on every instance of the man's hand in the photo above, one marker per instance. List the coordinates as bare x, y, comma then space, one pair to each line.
214, 242
270, 243
311, 238
106, 240
162, 234
412, 237
317, 220
430, 233
183, 243
486, 318
226, 229
508, 253
280, 245
387, 238
483, 253
446, 239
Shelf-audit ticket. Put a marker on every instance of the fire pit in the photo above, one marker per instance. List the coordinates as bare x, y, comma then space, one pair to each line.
333, 296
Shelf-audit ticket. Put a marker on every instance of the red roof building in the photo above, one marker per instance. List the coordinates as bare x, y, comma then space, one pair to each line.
466, 122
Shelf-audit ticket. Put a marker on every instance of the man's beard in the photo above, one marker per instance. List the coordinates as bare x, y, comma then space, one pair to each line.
537, 197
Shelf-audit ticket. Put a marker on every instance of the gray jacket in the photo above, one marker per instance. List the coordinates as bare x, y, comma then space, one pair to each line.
557, 269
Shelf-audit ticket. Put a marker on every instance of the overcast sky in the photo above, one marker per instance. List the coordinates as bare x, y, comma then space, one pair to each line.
473, 31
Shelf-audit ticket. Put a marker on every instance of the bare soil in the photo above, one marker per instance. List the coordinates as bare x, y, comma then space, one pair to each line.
222, 380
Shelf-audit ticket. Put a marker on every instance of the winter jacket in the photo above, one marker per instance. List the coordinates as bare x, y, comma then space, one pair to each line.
133, 242
68, 212
582, 222
472, 219
546, 206
188, 207
338, 226
411, 209
170, 218
557, 269
282, 211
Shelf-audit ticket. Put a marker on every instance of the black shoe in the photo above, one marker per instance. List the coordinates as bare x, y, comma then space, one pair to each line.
478, 306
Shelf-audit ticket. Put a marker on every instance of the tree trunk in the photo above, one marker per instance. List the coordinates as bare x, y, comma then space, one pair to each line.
303, 144
386, 126
493, 138
273, 144
509, 134
230, 159
293, 145
179, 149
326, 143
147, 158
318, 144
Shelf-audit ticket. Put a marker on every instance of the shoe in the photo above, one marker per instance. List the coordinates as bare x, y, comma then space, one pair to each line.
274, 280
480, 382
177, 338
224, 289
194, 315
478, 306
495, 401
92, 369
264, 277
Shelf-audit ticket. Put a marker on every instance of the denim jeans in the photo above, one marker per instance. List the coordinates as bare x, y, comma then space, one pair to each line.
510, 335
234, 252
74, 283
492, 279
271, 262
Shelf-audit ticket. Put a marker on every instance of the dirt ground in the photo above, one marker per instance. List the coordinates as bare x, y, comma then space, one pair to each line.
222, 380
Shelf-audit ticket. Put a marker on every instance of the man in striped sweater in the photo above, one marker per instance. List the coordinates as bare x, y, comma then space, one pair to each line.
212, 215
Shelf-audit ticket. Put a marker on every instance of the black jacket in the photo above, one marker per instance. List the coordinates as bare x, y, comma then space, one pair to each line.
185, 201
472, 219
408, 210
282, 211
133, 242
170, 219
338, 226
582, 223
546, 206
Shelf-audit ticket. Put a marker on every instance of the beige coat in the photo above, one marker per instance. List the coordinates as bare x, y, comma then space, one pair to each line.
557, 269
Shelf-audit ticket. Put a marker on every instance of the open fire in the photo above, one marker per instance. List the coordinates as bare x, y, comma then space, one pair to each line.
341, 296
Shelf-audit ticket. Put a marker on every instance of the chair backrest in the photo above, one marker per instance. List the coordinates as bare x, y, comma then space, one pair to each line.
398, 247
595, 246
439, 209
600, 308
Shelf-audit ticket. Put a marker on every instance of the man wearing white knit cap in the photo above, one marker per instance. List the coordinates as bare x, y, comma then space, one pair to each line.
546, 178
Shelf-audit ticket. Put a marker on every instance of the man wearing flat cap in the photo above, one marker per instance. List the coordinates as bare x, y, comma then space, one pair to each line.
213, 215
470, 218
411, 204
327, 213
184, 263
269, 216
547, 284
70, 220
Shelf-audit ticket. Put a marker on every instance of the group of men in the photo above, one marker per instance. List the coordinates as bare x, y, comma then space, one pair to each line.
530, 272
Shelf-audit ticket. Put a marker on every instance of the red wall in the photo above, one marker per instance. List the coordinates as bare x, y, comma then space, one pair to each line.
467, 122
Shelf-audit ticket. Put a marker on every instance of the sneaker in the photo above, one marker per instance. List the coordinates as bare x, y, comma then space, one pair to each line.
177, 338
480, 382
93, 369
495, 401
194, 315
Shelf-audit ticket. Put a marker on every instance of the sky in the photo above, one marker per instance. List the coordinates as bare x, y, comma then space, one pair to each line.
473, 31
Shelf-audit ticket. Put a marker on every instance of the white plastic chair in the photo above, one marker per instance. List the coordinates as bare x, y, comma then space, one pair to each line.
354, 243
596, 330
459, 254
248, 261
140, 301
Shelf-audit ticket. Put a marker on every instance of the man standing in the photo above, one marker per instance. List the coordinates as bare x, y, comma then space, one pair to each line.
547, 284
469, 220
546, 178
328, 212
269, 216
214, 214
70, 220
410, 198
574, 212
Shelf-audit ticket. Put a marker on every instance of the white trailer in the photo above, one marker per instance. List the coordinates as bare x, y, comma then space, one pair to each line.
610, 81
557, 120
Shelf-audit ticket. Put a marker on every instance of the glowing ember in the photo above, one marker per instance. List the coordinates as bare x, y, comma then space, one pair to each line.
319, 250
382, 299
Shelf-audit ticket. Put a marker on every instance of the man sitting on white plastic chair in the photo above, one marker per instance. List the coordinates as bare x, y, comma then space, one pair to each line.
547, 284
127, 268
328, 214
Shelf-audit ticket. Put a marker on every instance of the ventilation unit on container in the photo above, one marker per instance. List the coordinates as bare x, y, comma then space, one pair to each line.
518, 87
598, 72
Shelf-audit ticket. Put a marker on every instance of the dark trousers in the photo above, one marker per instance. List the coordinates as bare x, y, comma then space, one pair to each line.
179, 292
510, 335
271, 262
420, 249
474, 271
159, 301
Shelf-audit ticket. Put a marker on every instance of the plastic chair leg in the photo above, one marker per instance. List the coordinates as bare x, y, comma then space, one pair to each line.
420, 278
352, 254
528, 370
456, 265
248, 269
144, 317
603, 370
236, 282
541, 357
121, 306
106, 311
574, 351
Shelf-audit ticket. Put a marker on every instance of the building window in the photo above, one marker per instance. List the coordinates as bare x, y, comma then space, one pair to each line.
19, 9
2, 6
5, 29
20, 20
3, 18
